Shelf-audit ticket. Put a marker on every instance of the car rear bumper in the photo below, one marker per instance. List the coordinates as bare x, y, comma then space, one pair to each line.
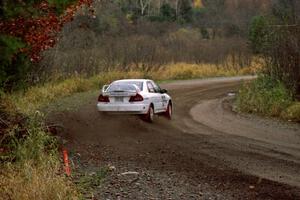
124, 108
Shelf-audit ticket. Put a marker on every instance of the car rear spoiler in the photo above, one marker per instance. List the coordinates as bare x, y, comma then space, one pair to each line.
120, 92
104, 88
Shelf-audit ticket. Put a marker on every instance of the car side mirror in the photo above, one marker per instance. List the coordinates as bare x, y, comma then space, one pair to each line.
163, 91
104, 88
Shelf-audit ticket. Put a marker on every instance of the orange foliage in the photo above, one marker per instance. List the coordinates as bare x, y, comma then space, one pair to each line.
39, 33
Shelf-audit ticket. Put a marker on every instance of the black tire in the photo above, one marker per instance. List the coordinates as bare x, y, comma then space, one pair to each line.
169, 111
149, 117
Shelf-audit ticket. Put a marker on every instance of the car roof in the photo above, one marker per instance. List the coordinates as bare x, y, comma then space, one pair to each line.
127, 80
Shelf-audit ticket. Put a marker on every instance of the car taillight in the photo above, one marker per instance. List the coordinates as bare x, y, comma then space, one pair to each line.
137, 97
102, 98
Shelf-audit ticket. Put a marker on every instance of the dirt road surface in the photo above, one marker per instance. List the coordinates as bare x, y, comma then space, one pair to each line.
206, 152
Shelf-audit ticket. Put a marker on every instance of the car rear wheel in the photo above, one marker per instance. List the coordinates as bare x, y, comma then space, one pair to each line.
149, 117
169, 111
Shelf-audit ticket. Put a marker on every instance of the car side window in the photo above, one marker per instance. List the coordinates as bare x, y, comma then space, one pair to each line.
156, 87
150, 87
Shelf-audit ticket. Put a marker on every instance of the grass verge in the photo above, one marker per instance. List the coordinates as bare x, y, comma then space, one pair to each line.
30, 166
268, 97
29, 182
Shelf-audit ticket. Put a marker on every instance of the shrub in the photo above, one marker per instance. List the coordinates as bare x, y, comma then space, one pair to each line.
279, 45
30, 168
264, 96
292, 112
14, 65
28, 141
258, 33
167, 12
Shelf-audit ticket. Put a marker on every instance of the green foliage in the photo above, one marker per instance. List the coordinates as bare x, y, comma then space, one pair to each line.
30, 167
27, 8
15, 8
258, 34
13, 64
30, 144
278, 42
22, 19
60, 5
88, 181
167, 13
283, 56
186, 11
9, 47
264, 96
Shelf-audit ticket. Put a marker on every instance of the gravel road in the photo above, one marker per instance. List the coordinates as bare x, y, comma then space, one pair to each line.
206, 152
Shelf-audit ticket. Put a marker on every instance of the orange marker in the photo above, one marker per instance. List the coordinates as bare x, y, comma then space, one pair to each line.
66, 161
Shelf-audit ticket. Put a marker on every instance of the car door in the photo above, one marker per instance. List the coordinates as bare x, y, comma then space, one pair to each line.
155, 97
162, 97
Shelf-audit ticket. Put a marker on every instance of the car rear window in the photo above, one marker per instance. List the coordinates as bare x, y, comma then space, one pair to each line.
125, 86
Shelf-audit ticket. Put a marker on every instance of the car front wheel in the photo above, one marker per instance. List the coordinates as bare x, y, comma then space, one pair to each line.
169, 111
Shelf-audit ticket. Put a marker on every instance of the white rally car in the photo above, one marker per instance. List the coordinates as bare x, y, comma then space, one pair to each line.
135, 96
